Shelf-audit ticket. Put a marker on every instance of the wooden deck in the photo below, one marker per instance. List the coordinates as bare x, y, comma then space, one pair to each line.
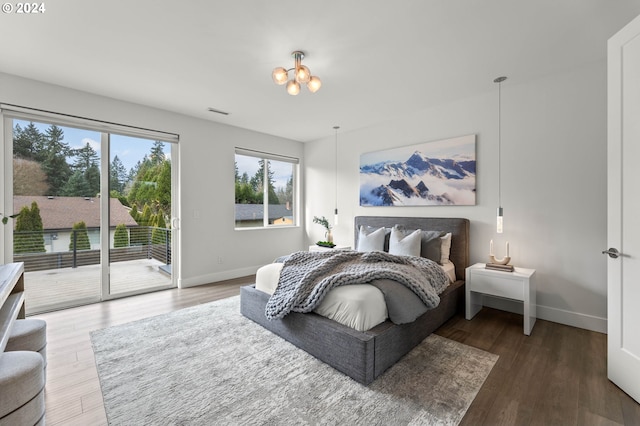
62, 288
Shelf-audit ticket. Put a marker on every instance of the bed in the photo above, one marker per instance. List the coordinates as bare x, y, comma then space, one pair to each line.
365, 355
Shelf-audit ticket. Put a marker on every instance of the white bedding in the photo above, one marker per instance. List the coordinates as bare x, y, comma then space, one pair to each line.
360, 306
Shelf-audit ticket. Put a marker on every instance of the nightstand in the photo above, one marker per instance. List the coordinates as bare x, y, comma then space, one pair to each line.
517, 285
316, 247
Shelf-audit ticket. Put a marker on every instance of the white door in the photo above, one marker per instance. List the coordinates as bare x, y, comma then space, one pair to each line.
624, 209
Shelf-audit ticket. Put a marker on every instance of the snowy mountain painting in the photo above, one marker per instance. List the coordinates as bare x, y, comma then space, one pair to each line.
427, 174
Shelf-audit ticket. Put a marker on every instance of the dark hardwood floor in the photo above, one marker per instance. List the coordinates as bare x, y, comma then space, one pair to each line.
556, 376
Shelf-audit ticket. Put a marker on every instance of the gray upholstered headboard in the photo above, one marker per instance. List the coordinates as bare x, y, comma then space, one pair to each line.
459, 228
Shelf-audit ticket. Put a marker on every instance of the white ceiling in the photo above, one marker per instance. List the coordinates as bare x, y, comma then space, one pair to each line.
378, 59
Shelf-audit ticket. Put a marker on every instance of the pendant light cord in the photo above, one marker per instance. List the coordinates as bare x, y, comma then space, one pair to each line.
336, 166
500, 144
499, 80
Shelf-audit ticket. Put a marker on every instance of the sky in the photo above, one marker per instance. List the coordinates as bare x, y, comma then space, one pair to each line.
281, 170
129, 150
460, 148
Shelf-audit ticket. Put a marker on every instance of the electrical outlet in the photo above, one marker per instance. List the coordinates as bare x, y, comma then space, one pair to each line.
220, 260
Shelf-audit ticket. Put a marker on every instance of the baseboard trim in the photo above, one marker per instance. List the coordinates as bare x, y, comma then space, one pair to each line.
218, 276
561, 316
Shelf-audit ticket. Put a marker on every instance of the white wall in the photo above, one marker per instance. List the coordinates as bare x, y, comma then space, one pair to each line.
553, 183
206, 164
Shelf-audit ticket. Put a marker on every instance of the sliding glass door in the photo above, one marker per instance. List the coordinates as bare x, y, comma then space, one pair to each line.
93, 212
140, 253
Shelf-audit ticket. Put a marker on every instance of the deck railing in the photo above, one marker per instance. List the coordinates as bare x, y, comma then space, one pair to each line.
146, 242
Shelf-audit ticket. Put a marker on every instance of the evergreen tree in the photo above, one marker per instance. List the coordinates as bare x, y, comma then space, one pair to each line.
29, 236
85, 157
28, 143
251, 190
137, 234
157, 153
120, 197
86, 164
145, 219
163, 189
117, 175
92, 175
76, 186
159, 234
121, 236
81, 237
134, 172
54, 162
134, 213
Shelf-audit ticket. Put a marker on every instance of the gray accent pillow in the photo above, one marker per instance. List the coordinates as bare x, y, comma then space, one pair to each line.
431, 244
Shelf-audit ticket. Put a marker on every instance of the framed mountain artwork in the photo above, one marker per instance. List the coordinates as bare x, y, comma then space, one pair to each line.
434, 173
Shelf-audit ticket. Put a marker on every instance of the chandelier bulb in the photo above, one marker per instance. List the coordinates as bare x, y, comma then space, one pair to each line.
280, 76
314, 84
293, 87
303, 75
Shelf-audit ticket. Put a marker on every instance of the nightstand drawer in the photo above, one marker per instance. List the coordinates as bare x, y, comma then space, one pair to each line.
497, 286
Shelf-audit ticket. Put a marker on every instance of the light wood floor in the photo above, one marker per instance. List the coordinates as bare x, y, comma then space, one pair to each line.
556, 376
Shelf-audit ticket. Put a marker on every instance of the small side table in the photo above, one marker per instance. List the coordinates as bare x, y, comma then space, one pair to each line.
517, 285
316, 247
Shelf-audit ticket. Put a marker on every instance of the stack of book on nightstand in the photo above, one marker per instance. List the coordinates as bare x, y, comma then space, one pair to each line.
497, 267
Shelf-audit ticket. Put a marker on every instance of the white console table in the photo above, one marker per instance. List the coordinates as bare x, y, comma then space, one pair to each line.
517, 285
11, 298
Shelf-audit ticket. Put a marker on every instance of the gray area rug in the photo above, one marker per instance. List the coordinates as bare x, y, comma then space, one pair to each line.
209, 365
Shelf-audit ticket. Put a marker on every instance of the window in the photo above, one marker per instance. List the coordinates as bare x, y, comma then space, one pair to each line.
265, 189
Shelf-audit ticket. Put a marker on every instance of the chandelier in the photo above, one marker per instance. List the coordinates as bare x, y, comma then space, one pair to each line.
301, 75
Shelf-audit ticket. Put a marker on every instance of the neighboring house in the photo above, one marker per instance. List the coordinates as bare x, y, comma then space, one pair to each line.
60, 213
248, 215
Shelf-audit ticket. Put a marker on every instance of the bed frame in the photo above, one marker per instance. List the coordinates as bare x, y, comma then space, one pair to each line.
365, 355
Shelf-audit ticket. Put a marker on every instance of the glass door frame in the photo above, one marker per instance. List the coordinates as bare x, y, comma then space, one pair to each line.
8, 114
105, 230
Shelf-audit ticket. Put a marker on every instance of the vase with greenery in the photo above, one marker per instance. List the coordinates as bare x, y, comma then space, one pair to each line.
327, 234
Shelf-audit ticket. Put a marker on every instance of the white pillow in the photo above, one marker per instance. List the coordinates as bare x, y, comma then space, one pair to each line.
445, 248
371, 240
405, 245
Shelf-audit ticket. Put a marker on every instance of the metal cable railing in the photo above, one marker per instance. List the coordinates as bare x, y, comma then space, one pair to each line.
69, 249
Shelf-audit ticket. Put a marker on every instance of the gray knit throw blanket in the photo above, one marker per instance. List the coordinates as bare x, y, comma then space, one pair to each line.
306, 277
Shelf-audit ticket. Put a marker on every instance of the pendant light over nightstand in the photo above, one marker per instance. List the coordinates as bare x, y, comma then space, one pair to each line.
335, 216
499, 217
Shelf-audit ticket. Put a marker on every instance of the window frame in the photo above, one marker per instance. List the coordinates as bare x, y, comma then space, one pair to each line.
295, 169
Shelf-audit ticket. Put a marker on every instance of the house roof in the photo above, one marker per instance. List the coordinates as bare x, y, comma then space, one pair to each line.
63, 212
255, 211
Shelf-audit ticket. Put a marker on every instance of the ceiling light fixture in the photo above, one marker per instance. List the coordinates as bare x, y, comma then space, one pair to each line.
301, 75
499, 216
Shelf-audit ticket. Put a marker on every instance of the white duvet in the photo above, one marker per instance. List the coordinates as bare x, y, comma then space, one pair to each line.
360, 306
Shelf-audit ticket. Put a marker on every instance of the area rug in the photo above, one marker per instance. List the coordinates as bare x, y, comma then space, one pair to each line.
209, 365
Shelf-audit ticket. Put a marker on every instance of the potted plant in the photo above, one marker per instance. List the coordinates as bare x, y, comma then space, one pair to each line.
6, 218
327, 234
